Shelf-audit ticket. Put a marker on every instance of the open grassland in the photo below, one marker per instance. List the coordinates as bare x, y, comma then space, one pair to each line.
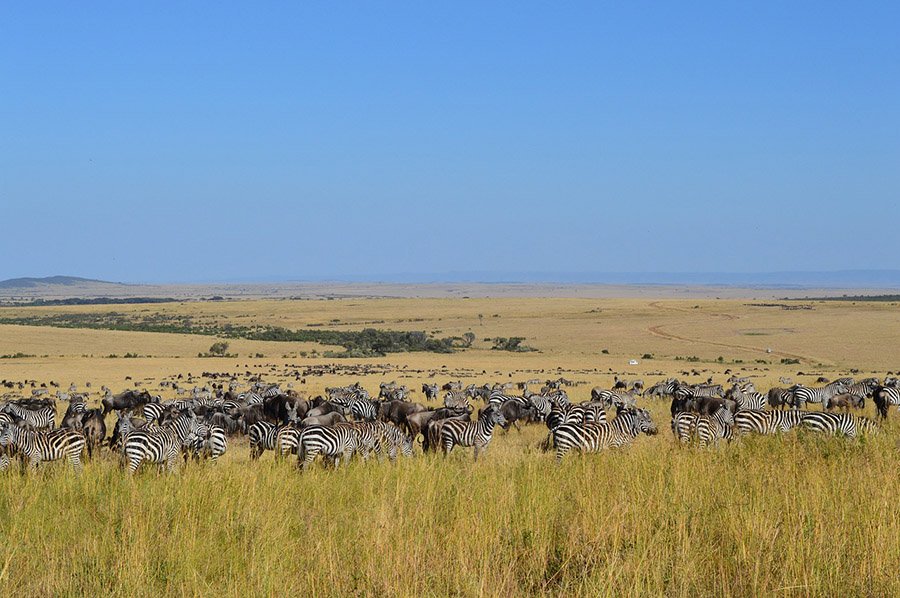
798, 515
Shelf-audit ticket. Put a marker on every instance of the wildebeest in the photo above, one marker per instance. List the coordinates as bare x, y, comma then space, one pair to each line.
327, 419
128, 399
94, 429
513, 411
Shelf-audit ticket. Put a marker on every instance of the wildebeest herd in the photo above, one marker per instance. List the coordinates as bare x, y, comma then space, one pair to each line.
348, 421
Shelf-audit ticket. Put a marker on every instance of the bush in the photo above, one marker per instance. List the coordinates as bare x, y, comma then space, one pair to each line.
513, 343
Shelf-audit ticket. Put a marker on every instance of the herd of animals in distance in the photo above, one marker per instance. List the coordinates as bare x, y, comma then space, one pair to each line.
347, 421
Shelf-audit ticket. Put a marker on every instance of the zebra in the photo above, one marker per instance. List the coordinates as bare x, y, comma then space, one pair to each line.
287, 441
746, 397
807, 394
38, 419
884, 397
158, 445
153, 411
665, 388
541, 404
863, 388
207, 441
456, 400
466, 433
392, 439
39, 446
836, 423
250, 398
753, 421
497, 398
332, 442
262, 438
362, 409
707, 429
592, 438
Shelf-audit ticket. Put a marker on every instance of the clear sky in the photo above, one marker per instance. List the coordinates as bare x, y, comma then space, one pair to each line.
189, 141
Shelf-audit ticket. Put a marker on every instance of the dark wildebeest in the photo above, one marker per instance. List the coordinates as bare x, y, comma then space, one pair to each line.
513, 411
285, 408
845, 401
417, 422
396, 411
884, 397
128, 399
328, 419
324, 409
779, 398
94, 429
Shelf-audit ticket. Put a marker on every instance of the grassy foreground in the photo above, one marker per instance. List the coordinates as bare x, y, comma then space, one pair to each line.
797, 515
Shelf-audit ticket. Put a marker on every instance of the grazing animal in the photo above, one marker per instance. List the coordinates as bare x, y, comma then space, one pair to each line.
430, 391
751, 421
39, 446
478, 433
884, 397
592, 438
809, 394
160, 445
93, 427
836, 423
333, 442
38, 419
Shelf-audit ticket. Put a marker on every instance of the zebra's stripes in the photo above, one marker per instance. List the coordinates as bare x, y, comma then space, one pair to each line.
706, 429
836, 423
752, 421
592, 438
332, 442
38, 446
37, 419
466, 433
262, 438
811, 394
207, 442
158, 445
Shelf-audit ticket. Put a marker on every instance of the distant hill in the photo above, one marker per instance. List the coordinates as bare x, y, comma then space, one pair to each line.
30, 283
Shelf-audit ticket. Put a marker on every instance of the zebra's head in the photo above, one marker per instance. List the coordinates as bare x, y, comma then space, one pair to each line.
645, 422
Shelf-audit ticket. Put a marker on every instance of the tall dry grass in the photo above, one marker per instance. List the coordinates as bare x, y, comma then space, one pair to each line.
797, 515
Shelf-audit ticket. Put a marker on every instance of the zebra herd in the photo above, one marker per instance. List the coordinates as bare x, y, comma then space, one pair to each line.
348, 422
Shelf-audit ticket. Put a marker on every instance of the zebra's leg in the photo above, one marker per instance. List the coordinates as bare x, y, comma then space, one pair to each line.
133, 464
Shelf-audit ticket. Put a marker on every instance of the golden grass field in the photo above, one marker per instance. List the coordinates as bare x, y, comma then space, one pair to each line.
794, 516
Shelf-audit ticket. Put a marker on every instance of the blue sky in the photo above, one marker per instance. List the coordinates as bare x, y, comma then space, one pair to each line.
201, 142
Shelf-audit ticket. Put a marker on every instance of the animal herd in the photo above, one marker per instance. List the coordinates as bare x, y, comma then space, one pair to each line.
347, 421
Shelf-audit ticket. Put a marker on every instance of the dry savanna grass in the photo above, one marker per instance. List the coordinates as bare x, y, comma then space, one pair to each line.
796, 515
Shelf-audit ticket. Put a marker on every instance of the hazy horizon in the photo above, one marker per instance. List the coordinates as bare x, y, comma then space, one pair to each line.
799, 279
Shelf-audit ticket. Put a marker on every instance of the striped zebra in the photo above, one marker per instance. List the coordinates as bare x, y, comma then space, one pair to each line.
206, 442
161, 444
37, 419
466, 433
746, 397
836, 423
287, 441
663, 389
541, 404
250, 398
332, 442
753, 421
592, 438
864, 389
394, 440
706, 429
884, 397
158, 445
152, 412
810, 394
497, 398
262, 438
37, 447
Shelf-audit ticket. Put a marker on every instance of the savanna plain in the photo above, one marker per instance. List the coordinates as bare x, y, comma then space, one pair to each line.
791, 515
